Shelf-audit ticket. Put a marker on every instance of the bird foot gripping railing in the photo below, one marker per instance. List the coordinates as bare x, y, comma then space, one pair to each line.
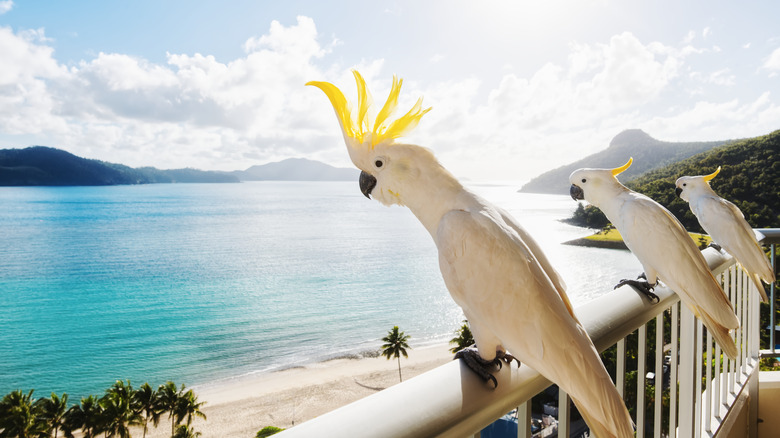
700, 387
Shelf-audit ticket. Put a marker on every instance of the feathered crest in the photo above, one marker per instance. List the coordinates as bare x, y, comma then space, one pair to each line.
359, 130
712, 175
618, 170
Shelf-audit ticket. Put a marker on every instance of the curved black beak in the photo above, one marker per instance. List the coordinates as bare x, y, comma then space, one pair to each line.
576, 193
678, 191
367, 184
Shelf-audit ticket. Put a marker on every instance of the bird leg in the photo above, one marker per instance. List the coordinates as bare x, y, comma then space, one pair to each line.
483, 368
642, 286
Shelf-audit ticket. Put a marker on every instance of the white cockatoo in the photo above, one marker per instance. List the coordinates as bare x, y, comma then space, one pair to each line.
726, 224
513, 298
663, 247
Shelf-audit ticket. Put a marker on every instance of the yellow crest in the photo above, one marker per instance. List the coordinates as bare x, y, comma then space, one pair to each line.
618, 170
712, 175
359, 129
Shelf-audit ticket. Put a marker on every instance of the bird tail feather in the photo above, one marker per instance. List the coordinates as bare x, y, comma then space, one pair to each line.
759, 285
721, 335
612, 420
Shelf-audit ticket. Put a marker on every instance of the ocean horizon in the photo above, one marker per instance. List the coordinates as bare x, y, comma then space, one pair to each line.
199, 283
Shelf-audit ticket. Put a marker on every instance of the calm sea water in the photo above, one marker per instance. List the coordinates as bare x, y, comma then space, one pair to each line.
202, 282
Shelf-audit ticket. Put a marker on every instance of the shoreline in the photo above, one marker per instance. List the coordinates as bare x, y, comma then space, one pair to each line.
242, 406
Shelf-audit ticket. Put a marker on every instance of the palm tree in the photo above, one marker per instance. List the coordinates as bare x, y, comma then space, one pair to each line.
87, 416
19, 416
394, 346
168, 396
118, 411
463, 339
145, 402
184, 431
53, 411
188, 406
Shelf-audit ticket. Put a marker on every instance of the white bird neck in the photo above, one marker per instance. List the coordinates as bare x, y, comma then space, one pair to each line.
610, 198
434, 194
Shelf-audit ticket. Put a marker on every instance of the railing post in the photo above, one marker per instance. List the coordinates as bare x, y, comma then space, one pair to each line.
687, 372
641, 370
620, 368
673, 364
524, 420
564, 416
772, 300
697, 379
659, 373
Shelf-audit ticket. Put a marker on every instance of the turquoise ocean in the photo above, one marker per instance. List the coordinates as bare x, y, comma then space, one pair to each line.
200, 283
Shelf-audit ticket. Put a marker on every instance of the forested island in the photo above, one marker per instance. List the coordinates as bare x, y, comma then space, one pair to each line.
46, 166
749, 177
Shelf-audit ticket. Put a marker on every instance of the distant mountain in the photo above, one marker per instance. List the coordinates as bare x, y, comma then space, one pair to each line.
648, 153
297, 169
45, 166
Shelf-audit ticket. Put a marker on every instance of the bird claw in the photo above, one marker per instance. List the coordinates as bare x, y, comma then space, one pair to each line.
642, 286
482, 367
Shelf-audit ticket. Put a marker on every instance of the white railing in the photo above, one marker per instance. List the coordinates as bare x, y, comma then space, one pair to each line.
451, 401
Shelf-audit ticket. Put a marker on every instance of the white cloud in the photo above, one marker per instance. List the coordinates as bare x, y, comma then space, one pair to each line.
196, 111
5, 6
772, 62
26, 103
722, 77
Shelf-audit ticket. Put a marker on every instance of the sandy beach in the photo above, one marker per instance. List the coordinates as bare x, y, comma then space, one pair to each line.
241, 407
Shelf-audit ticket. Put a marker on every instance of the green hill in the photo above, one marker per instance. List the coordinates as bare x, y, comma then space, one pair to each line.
648, 154
749, 177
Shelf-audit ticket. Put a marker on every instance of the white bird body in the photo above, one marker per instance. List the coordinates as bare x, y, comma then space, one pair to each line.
727, 226
512, 297
664, 248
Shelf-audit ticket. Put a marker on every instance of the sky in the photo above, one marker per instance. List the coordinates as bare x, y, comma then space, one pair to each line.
517, 87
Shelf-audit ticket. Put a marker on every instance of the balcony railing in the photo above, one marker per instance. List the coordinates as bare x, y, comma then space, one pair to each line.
706, 387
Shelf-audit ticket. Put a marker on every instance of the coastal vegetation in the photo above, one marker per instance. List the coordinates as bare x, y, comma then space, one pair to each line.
113, 415
749, 177
463, 338
395, 345
268, 431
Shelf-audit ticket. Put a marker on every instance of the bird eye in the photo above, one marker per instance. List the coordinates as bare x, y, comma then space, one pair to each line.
685, 184
584, 180
378, 163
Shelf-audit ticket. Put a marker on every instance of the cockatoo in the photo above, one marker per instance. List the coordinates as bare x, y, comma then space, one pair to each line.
727, 226
512, 297
662, 245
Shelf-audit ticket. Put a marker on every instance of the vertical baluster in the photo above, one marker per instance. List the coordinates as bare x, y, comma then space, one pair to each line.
773, 261
709, 387
697, 380
659, 373
641, 372
726, 377
687, 372
620, 368
741, 287
673, 362
564, 417
524, 420
732, 363
717, 389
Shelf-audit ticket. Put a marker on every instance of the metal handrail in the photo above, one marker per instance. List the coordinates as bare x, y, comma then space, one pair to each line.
451, 401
